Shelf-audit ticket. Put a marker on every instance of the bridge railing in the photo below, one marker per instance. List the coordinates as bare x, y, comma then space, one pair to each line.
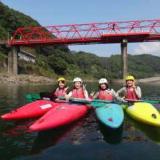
86, 33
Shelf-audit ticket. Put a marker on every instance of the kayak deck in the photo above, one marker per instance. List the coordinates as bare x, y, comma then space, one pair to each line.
59, 116
111, 115
30, 110
144, 112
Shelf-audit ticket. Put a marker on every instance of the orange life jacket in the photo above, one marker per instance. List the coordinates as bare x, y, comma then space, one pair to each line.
78, 93
131, 94
60, 92
105, 95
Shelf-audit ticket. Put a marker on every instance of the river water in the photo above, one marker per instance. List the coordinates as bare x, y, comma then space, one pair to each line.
84, 140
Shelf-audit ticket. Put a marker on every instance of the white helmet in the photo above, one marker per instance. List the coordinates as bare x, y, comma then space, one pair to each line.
77, 79
103, 80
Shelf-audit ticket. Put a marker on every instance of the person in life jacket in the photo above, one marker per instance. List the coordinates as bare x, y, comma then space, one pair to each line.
61, 90
130, 90
79, 90
104, 92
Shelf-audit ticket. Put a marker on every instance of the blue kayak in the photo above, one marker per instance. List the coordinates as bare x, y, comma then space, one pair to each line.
110, 114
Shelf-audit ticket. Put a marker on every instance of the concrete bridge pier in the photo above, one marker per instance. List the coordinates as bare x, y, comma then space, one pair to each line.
13, 61
124, 58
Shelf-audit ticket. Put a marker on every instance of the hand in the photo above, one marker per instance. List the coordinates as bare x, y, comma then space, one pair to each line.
66, 88
92, 93
122, 99
67, 97
89, 99
134, 86
46, 98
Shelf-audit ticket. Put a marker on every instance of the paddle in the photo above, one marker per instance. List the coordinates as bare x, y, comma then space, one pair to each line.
154, 101
83, 100
98, 103
30, 97
145, 100
35, 96
142, 100
134, 100
94, 102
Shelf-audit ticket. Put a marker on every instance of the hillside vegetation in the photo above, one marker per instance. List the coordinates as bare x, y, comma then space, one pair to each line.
59, 60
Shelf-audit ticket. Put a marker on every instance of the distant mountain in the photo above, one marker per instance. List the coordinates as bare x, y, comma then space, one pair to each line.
141, 66
58, 60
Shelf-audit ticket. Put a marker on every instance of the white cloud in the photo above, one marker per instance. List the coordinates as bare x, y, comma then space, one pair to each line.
148, 48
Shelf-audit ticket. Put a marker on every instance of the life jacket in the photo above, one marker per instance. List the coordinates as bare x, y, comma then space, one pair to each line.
78, 93
60, 92
131, 94
105, 95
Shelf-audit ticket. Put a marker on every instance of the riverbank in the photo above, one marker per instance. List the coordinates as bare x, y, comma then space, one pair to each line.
153, 80
150, 80
24, 79
34, 79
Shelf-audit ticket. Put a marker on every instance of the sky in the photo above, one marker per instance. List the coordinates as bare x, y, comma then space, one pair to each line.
58, 12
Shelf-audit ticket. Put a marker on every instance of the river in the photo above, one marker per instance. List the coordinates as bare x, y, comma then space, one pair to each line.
84, 140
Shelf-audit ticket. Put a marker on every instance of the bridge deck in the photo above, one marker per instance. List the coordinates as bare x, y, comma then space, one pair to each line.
108, 32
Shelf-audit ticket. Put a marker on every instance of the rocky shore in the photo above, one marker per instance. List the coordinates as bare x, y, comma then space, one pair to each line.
150, 80
23, 79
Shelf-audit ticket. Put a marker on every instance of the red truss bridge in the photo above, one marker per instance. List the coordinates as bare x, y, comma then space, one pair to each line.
107, 32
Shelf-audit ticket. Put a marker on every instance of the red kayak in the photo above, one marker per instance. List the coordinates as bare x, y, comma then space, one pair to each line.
31, 110
59, 116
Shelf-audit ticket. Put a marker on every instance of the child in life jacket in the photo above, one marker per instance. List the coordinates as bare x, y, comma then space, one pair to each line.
61, 90
78, 91
130, 90
104, 92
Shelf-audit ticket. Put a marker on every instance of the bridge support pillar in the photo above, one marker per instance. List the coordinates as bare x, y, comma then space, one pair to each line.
12, 61
124, 58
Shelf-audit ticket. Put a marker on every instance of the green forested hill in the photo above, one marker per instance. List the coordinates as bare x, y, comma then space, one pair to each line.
11, 19
59, 60
141, 66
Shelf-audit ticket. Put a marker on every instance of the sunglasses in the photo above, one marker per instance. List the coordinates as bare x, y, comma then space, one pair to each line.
62, 82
